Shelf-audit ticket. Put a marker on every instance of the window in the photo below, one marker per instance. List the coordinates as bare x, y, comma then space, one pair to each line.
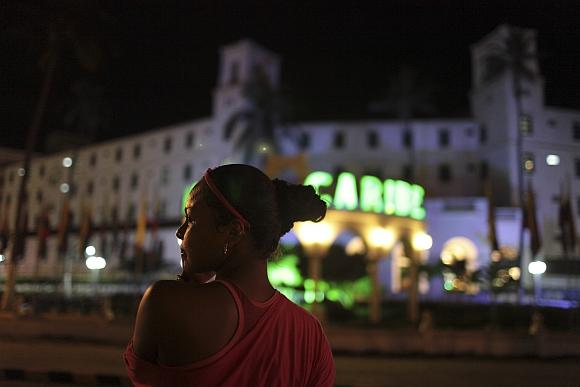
187, 172
304, 141
553, 160
526, 124
483, 170
445, 172
134, 181
339, 140
39, 196
189, 140
552, 123
167, 145
93, 160
119, 154
576, 130
482, 134
408, 138
11, 177
373, 139
90, 188
116, 184
578, 205
529, 164
234, 72
443, 138
469, 132
470, 167
165, 175
577, 167
131, 212
41, 170
136, 151
407, 172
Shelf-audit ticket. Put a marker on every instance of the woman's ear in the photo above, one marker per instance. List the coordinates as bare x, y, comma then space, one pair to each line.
236, 231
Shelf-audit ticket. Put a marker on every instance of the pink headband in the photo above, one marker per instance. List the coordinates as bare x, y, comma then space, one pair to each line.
222, 198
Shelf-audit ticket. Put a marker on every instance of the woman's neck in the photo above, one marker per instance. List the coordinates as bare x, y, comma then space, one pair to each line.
251, 277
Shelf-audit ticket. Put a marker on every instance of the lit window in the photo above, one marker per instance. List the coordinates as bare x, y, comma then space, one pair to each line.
577, 167
529, 164
553, 160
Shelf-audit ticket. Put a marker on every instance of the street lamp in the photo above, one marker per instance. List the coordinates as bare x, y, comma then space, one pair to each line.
380, 241
537, 268
315, 238
420, 242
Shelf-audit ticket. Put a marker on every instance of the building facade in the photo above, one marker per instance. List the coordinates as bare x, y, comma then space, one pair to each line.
451, 158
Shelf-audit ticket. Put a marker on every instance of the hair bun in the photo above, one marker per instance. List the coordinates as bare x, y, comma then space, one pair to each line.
297, 203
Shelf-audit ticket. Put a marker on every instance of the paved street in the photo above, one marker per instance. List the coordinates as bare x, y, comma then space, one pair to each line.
90, 359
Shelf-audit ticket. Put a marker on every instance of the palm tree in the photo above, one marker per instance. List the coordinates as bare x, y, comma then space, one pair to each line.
514, 55
267, 110
61, 29
405, 97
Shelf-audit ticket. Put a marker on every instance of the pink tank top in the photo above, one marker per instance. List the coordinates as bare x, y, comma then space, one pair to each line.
276, 343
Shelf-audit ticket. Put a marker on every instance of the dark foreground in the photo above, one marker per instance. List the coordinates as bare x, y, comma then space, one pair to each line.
83, 361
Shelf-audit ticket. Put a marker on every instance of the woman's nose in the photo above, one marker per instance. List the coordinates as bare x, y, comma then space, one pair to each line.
179, 232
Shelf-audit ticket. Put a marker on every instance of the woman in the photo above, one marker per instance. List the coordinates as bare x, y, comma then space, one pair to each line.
236, 330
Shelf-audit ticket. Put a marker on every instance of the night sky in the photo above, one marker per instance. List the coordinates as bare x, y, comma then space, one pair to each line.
159, 58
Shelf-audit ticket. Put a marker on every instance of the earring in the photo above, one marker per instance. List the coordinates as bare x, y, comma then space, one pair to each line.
226, 249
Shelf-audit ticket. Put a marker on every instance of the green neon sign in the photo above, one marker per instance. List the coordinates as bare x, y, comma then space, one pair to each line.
391, 197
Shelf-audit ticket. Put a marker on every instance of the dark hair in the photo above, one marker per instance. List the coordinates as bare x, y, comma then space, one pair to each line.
270, 206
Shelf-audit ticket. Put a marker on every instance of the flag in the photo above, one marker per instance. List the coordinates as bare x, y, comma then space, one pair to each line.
140, 235
4, 231
492, 235
42, 233
566, 223
63, 226
529, 220
85, 230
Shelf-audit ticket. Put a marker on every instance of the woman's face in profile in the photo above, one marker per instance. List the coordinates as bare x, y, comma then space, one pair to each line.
201, 248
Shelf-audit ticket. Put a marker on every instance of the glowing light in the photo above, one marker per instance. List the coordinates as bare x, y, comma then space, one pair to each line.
514, 272
402, 190
355, 246
90, 250
398, 197
537, 267
2, 258
448, 285
345, 197
64, 188
495, 256
311, 233
446, 258
380, 237
21, 172
95, 263
422, 241
67, 162
553, 160
371, 194
320, 179
529, 165
285, 272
